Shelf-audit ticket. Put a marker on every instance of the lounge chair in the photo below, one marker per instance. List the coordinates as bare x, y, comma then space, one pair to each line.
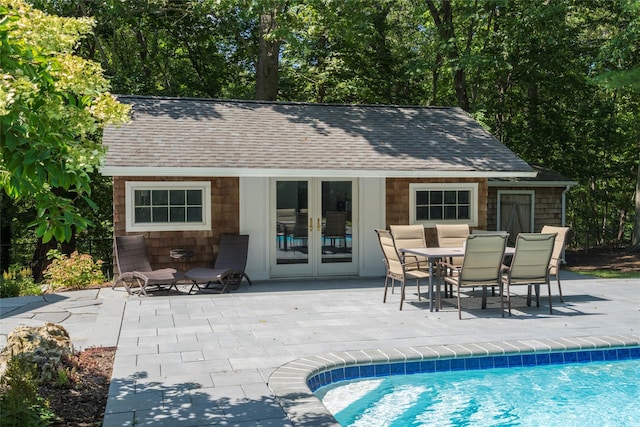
399, 270
134, 269
481, 265
228, 270
557, 257
530, 266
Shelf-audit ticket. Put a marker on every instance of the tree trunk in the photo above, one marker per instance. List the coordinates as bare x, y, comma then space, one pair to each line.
267, 66
6, 215
443, 19
635, 240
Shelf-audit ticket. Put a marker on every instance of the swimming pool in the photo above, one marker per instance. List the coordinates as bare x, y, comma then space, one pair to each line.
576, 394
294, 382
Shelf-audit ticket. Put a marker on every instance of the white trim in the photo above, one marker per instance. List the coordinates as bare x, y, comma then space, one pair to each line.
470, 186
532, 183
530, 193
204, 186
305, 173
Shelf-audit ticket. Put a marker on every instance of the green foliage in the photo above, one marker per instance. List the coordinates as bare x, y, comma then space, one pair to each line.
77, 271
20, 405
52, 106
18, 281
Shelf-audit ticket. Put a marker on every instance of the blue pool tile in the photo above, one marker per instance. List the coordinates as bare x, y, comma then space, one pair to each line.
556, 358
486, 362
584, 356
443, 365
610, 354
381, 370
458, 364
352, 372
470, 363
501, 361
597, 355
571, 357
515, 360
366, 371
337, 374
428, 366
543, 359
623, 354
634, 352
396, 368
413, 368
528, 360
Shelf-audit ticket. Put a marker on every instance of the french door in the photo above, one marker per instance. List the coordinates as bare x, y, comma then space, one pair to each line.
313, 227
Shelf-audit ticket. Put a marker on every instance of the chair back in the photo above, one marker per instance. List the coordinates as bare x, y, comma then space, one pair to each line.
452, 235
532, 256
232, 252
301, 230
558, 247
336, 224
483, 258
390, 252
408, 236
131, 254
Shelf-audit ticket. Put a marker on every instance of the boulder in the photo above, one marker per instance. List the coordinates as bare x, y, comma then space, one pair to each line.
44, 345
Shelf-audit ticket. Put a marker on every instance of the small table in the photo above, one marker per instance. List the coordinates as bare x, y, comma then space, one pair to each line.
433, 254
181, 254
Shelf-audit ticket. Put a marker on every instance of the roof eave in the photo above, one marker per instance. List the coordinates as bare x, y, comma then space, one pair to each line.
355, 173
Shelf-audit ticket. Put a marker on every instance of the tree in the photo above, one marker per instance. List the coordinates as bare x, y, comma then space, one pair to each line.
53, 105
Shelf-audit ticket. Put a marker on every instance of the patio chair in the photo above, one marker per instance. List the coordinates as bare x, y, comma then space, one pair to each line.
557, 257
335, 228
452, 236
410, 237
134, 269
399, 270
481, 265
530, 266
228, 270
300, 231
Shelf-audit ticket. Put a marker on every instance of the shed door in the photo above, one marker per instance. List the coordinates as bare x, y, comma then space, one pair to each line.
515, 213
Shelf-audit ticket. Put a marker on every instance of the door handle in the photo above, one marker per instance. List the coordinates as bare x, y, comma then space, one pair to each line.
310, 224
319, 225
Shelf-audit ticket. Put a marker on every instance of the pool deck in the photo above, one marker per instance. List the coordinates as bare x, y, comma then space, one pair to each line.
208, 360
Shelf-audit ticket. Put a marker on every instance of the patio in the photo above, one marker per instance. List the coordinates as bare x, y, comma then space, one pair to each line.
207, 359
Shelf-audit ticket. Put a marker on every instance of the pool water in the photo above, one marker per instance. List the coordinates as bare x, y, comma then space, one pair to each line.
579, 394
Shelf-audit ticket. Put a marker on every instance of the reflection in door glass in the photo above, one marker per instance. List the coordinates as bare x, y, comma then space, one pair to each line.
336, 221
292, 222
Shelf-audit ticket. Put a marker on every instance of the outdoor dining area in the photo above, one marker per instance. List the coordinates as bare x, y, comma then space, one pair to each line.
465, 259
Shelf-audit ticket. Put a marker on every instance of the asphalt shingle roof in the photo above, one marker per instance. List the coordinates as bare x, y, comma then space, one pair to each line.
186, 134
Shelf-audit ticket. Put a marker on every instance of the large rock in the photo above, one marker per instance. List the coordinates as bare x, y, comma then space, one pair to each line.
44, 345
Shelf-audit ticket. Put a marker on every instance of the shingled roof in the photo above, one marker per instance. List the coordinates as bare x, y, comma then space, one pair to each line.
208, 137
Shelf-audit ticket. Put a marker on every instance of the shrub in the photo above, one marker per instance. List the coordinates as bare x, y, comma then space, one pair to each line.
77, 271
18, 281
20, 405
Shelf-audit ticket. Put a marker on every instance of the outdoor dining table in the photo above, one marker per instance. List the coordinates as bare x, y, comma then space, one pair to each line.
433, 254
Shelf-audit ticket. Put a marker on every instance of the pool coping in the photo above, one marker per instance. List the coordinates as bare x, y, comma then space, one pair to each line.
290, 387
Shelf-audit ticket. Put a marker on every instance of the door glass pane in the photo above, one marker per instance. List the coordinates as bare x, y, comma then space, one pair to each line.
336, 239
292, 222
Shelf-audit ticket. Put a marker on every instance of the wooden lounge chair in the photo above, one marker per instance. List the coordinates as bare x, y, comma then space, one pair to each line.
530, 266
228, 271
482, 265
134, 269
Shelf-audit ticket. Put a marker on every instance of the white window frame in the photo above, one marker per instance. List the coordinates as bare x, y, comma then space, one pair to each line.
472, 187
132, 186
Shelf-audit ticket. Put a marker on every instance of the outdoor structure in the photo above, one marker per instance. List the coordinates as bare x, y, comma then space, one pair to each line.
187, 170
